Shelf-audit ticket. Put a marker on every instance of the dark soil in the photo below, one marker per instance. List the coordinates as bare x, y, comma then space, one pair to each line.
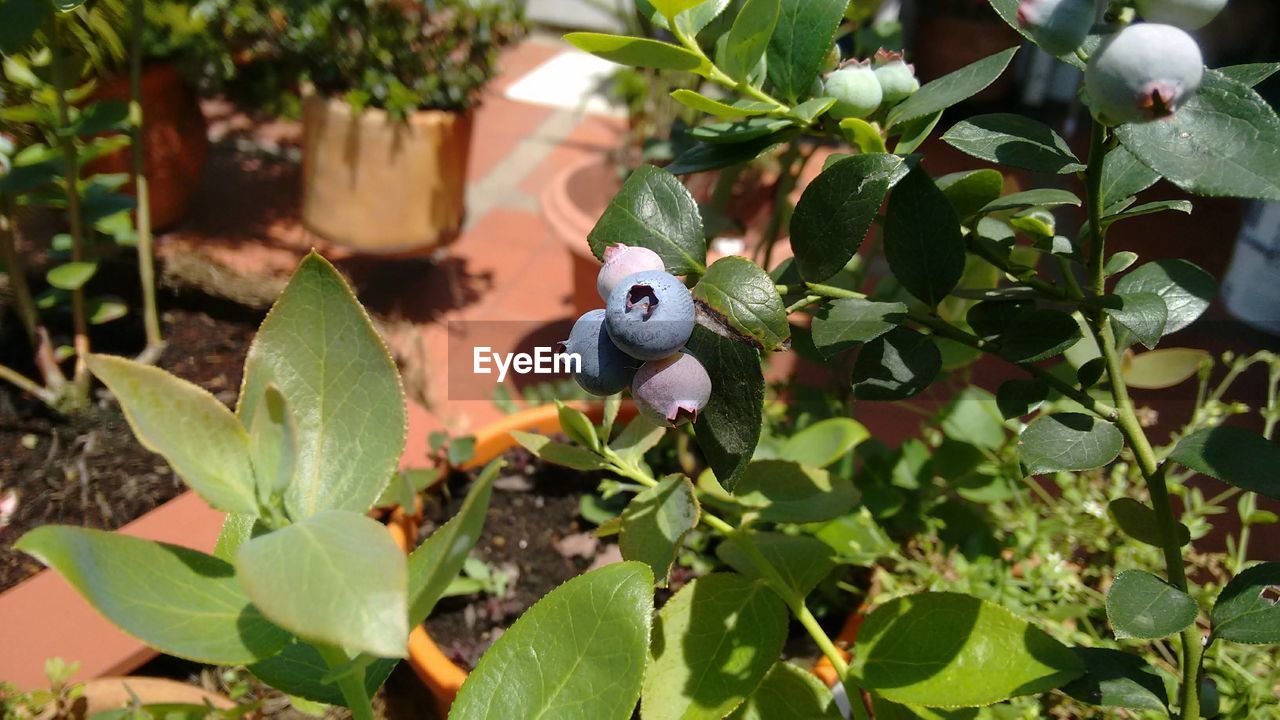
88, 470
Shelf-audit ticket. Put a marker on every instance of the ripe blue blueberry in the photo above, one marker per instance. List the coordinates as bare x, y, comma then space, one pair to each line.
1186, 14
650, 315
897, 79
856, 91
605, 369
620, 261
673, 390
1058, 26
1144, 72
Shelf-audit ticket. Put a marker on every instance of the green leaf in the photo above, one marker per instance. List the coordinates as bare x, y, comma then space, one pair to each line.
1017, 398
1123, 176
800, 560
19, 20
952, 88
1187, 290
570, 456
800, 42
715, 156
1038, 334
636, 52
1210, 146
744, 297
702, 103
785, 491
836, 210
1144, 314
810, 110
1117, 679
691, 21
319, 348
863, 135
922, 239
335, 578
952, 650
915, 132
72, 275
102, 117
843, 324
713, 644
655, 211
577, 654
298, 670
1068, 441
436, 562
749, 36
969, 192
672, 8
789, 692
196, 434
655, 522
1139, 522
273, 444
824, 443
1047, 197
739, 131
1236, 456
24, 178
1251, 74
179, 601
1246, 610
578, 427
857, 538
639, 437
105, 309
1182, 206
897, 365
1014, 140
1141, 605
728, 428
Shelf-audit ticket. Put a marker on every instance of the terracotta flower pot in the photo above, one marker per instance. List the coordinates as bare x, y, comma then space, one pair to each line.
379, 186
113, 693
572, 203
174, 138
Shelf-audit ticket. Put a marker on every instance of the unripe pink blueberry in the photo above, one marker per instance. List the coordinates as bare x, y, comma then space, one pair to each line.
1186, 14
672, 391
1144, 72
1058, 26
623, 260
897, 79
856, 91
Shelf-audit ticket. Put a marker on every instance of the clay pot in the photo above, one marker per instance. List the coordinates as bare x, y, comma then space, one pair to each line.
572, 203
113, 693
174, 140
379, 186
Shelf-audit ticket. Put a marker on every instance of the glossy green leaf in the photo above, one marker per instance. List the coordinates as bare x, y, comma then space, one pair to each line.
705, 156
436, 562
952, 650
1014, 140
922, 239
810, 110
19, 20
749, 36
570, 456
655, 211
728, 428
1182, 206
1017, 398
969, 192
691, 21
1246, 611
1251, 74
577, 654
1187, 289
1143, 314
71, 275
915, 132
1141, 605
713, 644
1139, 522
1211, 145
636, 52
702, 103
836, 210
1046, 197
335, 578
319, 348
578, 426
655, 523
1068, 441
299, 668
196, 434
273, 444
745, 297
897, 365
1236, 456
952, 88
1034, 335
846, 323
179, 601
672, 8
800, 560
824, 443
784, 491
800, 42
789, 692
863, 135
1124, 175
1117, 679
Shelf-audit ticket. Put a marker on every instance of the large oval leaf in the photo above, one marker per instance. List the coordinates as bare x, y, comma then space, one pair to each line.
897, 365
179, 601
952, 88
800, 41
1185, 288
656, 521
655, 211
824, 442
1068, 441
801, 561
1014, 140
728, 428
749, 36
783, 491
1124, 176
1118, 679
953, 650
1141, 605
636, 52
1233, 455
922, 239
789, 692
745, 297
578, 654
834, 213
845, 323
1246, 610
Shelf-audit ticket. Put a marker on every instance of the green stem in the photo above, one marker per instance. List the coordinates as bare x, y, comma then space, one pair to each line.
720, 77
351, 684
146, 259
26, 385
22, 300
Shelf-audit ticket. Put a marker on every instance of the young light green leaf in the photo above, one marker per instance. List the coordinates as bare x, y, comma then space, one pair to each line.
1139, 522
824, 442
1123, 176
728, 428
570, 456
783, 491
1141, 605
1246, 610
952, 650
863, 135
273, 444
952, 88
639, 437
1161, 369
319, 348
672, 8
578, 427
749, 36
702, 103
810, 110
577, 654
1236, 456
789, 692
745, 297
969, 192
1117, 679
846, 323
836, 210
800, 42
895, 366
922, 239
179, 601
1187, 289
1014, 140
1144, 314
691, 21
336, 578
196, 434
1068, 441
71, 275
801, 560
655, 523
714, 642
636, 52
655, 211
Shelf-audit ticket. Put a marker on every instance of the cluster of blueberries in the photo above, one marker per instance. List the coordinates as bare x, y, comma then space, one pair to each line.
1144, 72
861, 88
638, 339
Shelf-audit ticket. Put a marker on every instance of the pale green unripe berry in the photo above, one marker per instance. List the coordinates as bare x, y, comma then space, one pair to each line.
1058, 26
1144, 72
856, 91
897, 79
1186, 14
